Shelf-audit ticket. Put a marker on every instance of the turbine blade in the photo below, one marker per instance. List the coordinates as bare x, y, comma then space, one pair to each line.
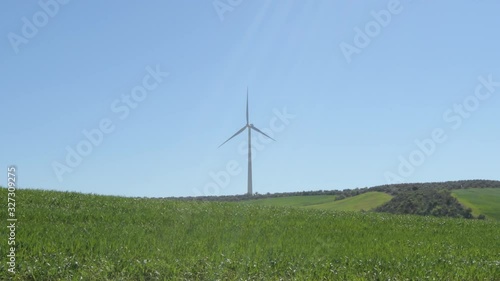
237, 133
247, 107
261, 132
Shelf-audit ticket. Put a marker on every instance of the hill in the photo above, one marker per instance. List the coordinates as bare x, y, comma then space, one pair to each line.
72, 236
392, 189
483, 201
365, 201
292, 201
435, 199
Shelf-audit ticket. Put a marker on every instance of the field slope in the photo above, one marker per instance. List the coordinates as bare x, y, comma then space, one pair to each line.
291, 201
484, 201
365, 201
72, 236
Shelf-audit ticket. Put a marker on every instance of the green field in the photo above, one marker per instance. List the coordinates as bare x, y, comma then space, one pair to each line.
484, 201
365, 201
292, 201
71, 236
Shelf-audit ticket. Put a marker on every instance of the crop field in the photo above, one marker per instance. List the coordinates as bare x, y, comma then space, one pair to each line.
72, 236
292, 201
365, 201
484, 201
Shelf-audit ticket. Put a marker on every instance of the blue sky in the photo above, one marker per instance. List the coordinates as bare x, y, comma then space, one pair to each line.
356, 118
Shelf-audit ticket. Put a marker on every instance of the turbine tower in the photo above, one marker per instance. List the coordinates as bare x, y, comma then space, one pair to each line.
250, 127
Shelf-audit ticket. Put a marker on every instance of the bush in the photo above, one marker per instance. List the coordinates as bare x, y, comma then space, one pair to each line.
425, 202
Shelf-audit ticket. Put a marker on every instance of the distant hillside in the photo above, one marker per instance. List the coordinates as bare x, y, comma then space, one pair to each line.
392, 189
484, 201
292, 201
449, 185
365, 201
448, 199
440, 199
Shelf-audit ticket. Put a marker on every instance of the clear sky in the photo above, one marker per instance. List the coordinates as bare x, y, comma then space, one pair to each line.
347, 88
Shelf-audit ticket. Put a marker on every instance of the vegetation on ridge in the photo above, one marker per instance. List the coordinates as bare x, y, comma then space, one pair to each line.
435, 198
426, 202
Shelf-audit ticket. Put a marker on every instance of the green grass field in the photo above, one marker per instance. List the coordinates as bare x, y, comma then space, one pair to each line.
484, 201
71, 236
365, 201
291, 201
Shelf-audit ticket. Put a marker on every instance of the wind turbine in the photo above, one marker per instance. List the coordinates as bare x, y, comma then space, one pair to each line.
250, 127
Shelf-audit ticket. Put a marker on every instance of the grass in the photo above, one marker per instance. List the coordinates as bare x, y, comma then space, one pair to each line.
365, 201
292, 201
72, 236
484, 201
